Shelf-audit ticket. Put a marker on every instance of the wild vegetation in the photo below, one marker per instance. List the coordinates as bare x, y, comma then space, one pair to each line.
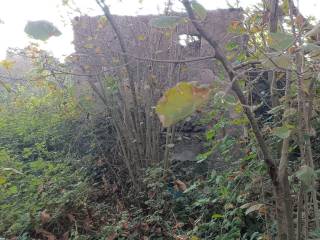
88, 150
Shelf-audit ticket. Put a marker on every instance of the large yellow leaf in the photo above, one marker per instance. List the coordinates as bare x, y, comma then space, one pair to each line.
181, 101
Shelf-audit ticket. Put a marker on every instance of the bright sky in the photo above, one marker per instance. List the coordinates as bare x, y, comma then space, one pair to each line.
16, 13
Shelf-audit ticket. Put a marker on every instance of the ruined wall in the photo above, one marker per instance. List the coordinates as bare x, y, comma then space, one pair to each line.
98, 55
97, 47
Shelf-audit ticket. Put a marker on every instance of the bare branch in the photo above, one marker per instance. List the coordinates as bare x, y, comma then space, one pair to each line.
115, 28
272, 169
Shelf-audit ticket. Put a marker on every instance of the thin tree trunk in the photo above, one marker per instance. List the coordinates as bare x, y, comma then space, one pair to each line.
299, 212
272, 169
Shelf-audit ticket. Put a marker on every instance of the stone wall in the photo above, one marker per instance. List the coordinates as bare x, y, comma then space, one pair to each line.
98, 54
97, 47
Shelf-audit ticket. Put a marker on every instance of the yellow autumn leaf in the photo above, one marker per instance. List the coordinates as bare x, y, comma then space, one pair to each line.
195, 238
141, 37
256, 29
7, 64
181, 101
88, 46
102, 22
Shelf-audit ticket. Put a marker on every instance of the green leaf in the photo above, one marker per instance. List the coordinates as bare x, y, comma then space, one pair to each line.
181, 101
310, 47
223, 99
210, 134
192, 187
41, 30
201, 202
282, 132
199, 10
3, 180
231, 46
5, 85
314, 31
280, 41
312, 50
276, 60
12, 190
306, 175
165, 21
38, 165
315, 234
276, 109
11, 170
203, 156
216, 216
288, 112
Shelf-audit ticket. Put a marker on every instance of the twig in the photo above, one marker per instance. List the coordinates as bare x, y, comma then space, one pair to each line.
236, 67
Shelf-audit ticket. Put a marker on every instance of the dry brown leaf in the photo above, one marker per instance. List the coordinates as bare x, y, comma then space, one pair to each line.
65, 236
180, 185
178, 225
125, 225
151, 194
44, 217
71, 217
114, 187
105, 183
158, 230
46, 234
144, 227
263, 210
299, 20
119, 206
40, 188
113, 236
181, 237
87, 223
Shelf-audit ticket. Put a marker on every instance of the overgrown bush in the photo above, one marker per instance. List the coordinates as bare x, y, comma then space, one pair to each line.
39, 181
220, 206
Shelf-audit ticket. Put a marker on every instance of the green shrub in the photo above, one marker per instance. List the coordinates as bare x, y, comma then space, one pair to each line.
37, 170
